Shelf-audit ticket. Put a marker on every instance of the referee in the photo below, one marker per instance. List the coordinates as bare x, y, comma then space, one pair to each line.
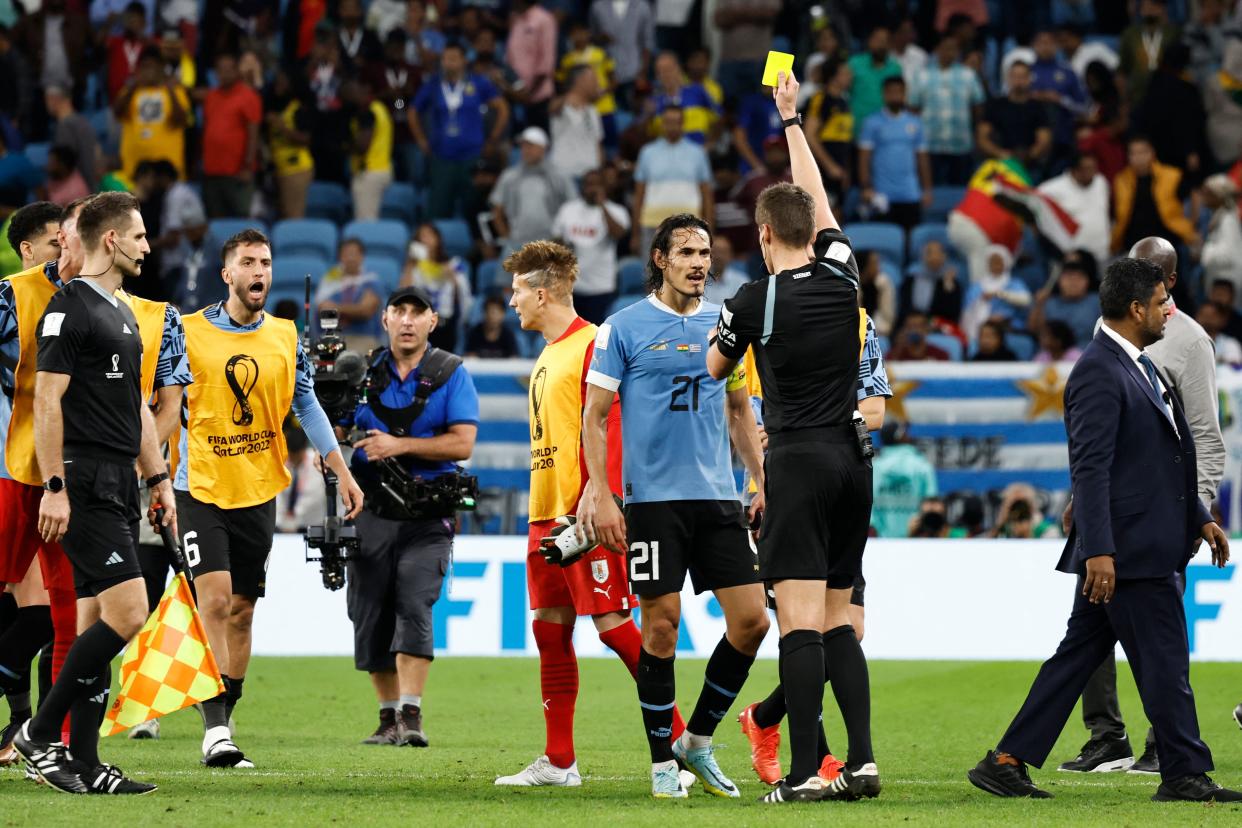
807, 331
89, 364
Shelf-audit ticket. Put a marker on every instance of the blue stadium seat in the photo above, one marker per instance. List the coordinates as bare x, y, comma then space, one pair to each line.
293, 237
37, 154
487, 275
220, 230
624, 301
925, 232
387, 269
949, 344
385, 237
631, 273
944, 199
297, 295
456, 233
325, 200
400, 202
290, 272
1022, 346
887, 239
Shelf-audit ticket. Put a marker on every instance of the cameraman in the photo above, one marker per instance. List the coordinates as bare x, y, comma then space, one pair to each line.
422, 409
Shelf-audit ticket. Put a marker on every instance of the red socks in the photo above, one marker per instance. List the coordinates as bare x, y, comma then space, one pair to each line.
558, 677
64, 609
627, 642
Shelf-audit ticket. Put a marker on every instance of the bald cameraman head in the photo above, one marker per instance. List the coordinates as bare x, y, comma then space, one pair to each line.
420, 419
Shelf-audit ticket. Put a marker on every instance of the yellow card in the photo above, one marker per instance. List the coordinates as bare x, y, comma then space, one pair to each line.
777, 62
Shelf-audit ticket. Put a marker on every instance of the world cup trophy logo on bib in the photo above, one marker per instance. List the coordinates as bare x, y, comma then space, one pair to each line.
116, 361
536, 401
241, 373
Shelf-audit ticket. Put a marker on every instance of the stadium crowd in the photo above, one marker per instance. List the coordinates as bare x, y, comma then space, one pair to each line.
439, 136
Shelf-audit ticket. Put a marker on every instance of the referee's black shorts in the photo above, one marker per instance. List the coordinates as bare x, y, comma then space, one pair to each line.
104, 512
818, 507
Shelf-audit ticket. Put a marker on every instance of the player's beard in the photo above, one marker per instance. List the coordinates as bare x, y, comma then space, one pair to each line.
248, 300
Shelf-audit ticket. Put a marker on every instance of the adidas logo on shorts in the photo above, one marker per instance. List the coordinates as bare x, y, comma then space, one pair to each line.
114, 558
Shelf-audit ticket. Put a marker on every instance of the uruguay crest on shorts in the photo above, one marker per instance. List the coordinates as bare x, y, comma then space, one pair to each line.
599, 571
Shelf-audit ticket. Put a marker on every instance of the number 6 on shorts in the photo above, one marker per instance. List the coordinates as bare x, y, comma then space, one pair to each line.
192, 556
646, 554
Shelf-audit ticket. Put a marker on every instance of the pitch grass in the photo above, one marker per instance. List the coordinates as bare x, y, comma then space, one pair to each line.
301, 721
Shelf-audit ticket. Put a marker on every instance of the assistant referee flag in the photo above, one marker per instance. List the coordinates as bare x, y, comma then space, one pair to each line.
168, 666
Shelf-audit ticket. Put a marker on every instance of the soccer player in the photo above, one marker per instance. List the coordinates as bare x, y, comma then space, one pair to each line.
51, 252
804, 325
682, 513
543, 280
249, 370
761, 721
89, 365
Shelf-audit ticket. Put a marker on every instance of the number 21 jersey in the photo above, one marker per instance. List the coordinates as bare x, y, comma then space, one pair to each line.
676, 445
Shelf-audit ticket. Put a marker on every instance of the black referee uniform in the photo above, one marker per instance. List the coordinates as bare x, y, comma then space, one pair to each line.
804, 326
94, 339
87, 334
807, 332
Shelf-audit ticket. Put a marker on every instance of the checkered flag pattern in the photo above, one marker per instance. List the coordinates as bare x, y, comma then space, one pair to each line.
168, 666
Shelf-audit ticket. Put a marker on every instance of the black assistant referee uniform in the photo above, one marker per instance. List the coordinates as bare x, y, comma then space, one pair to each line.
93, 338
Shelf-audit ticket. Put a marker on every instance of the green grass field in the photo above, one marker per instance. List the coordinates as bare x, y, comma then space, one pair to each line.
302, 719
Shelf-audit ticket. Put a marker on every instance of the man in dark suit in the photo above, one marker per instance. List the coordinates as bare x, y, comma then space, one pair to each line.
1136, 519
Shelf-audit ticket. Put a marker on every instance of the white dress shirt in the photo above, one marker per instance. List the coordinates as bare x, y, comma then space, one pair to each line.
1134, 353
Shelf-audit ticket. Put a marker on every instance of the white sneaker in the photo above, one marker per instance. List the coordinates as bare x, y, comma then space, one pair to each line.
146, 730
543, 772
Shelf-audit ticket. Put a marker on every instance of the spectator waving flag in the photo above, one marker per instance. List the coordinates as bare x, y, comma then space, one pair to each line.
1012, 188
168, 666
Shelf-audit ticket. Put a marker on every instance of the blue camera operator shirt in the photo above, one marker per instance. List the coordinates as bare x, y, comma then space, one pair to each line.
455, 402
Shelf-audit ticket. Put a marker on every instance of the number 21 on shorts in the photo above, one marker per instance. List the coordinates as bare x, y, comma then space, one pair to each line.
643, 554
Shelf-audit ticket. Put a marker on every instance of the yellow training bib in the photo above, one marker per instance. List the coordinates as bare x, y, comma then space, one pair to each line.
31, 293
243, 388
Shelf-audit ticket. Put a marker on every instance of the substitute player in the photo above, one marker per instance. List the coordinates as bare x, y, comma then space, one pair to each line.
803, 323
89, 366
51, 252
249, 370
594, 584
682, 513
761, 721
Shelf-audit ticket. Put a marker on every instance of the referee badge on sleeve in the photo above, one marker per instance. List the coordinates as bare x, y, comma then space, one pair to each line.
52, 323
599, 571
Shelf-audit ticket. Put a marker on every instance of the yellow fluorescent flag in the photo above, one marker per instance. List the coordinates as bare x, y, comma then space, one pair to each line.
168, 666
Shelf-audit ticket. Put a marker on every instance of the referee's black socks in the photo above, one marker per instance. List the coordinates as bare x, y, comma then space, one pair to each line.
852, 688
85, 716
802, 674
80, 675
726, 672
657, 696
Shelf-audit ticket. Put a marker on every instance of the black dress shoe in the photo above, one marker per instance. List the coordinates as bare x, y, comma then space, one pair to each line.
1004, 780
1196, 788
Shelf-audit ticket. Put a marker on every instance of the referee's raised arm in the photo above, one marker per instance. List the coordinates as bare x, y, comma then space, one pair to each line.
805, 169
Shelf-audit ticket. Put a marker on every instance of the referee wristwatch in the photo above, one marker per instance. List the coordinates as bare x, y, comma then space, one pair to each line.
796, 120
54, 484
156, 479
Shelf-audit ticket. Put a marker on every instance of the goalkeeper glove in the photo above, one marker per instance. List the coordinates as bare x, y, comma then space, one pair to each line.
564, 546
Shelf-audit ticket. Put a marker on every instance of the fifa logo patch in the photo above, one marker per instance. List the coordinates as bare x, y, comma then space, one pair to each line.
599, 571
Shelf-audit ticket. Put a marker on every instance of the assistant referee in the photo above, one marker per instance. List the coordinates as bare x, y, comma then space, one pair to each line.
89, 367
807, 332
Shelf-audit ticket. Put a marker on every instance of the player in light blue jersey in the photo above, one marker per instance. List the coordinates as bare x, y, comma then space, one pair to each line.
682, 513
